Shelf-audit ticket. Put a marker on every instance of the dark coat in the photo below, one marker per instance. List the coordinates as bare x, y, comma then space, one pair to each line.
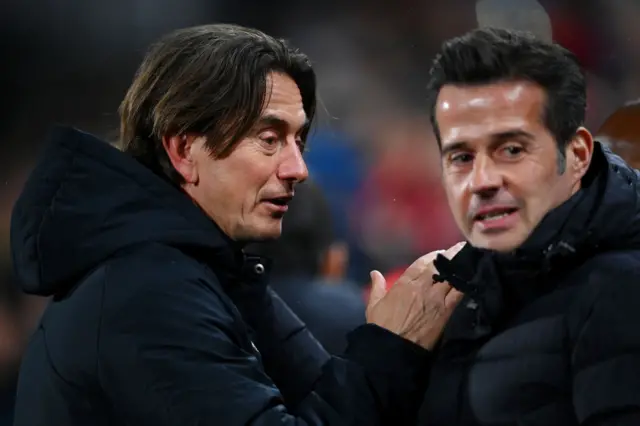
142, 328
547, 335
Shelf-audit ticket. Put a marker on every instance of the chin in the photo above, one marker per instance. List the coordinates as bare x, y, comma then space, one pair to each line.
266, 232
500, 243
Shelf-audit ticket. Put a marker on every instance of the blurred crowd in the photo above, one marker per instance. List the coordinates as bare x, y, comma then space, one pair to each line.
372, 154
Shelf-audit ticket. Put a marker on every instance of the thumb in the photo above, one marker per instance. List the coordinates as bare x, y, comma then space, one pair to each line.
378, 287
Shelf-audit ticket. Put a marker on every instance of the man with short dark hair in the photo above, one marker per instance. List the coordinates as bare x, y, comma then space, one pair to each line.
546, 333
142, 251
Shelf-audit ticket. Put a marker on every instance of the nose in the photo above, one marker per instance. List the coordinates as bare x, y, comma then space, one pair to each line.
292, 168
485, 179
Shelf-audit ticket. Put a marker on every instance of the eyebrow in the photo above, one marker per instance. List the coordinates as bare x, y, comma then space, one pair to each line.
496, 139
275, 121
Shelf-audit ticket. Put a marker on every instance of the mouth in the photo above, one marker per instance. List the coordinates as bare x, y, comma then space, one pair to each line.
279, 204
494, 215
279, 201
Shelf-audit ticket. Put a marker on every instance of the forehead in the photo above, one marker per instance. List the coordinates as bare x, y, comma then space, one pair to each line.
467, 113
284, 100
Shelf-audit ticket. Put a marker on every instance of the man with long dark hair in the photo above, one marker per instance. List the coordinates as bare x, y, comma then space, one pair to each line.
141, 250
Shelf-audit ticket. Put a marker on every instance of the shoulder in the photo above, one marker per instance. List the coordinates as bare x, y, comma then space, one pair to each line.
607, 306
157, 265
605, 340
610, 277
156, 280
607, 272
625, 259
343, 294
311, 299
340, 295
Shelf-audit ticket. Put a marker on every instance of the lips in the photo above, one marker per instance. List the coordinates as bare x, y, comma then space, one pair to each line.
488, 215
280, 201
278, 205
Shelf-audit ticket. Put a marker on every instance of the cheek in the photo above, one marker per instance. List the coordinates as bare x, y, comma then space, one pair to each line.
257, 181
224, 186
539, 190
456, 198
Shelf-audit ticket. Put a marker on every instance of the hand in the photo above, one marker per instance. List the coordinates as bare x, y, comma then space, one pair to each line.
415, 307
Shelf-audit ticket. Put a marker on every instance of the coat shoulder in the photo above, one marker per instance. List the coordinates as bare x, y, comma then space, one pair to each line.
606, 282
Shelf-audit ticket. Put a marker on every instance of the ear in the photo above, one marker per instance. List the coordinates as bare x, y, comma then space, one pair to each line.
181, 151
579, 153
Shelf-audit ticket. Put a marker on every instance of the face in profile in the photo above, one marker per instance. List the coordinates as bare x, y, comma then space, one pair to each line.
247, 192
500, 163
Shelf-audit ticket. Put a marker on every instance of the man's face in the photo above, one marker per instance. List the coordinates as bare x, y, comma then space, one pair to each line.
246, 193
500, 162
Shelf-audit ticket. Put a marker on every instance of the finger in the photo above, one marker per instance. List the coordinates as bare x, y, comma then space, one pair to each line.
452, 251
378, 287
430, 257
425, 260
452, 298
419, 267
440, 290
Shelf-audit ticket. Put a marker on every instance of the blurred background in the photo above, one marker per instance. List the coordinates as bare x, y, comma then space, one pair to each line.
372, 153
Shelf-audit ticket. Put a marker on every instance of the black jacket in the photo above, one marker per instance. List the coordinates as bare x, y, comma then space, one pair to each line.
548, 335
142, 329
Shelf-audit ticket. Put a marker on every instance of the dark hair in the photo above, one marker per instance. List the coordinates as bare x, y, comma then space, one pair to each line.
209, 79
306, 234
489, 55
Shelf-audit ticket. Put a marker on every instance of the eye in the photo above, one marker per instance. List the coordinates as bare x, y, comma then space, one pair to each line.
512, 150
461, 158
269, 138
